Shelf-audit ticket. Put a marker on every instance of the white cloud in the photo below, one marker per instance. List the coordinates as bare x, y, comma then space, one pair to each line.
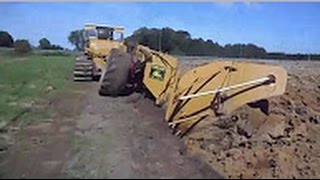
225, 5
252, 5
234, 5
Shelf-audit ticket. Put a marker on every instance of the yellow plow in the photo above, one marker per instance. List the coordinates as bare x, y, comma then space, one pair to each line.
214, 89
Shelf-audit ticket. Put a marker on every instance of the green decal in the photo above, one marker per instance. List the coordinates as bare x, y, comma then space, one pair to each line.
157, 72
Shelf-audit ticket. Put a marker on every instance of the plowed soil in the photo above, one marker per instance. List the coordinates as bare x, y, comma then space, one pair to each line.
283, 144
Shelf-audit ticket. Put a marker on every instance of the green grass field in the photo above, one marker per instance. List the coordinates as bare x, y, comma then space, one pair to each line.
28, 80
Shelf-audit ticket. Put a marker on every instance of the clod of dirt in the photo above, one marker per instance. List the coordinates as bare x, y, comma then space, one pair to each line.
37, 141
180, 161
244, 131
13, 129
235, 154
247, 126
3, 124
225, 123
272, 163
301, 110
49, 89
4, 142
278, 131
28, 104
300, 130
274, 127
133, 98
240, 141
314, 119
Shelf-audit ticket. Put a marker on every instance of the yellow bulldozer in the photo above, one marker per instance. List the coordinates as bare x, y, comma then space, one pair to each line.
99, 40
214, 89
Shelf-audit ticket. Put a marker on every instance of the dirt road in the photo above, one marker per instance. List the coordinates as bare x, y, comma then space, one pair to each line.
100, 137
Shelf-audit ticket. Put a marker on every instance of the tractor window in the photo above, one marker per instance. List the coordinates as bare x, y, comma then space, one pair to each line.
118, 37
90, 33
105, 33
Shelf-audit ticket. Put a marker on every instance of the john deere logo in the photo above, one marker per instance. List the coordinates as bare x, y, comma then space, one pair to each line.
157, 72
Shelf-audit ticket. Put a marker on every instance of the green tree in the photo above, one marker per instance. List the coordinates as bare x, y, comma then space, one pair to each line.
57, 47
253, 51
76, 38
44, 43
22, 46
6, 39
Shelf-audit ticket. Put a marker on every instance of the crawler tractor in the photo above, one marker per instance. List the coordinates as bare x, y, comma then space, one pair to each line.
214, 89
99, 40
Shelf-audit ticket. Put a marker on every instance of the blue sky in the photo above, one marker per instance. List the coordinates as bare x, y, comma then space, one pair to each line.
286, 27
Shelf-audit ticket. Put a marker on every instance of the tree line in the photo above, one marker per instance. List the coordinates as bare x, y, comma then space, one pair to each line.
168, 40
181, 43
44, 43
23, 45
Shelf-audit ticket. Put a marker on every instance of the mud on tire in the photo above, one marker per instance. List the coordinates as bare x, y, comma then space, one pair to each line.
115, 77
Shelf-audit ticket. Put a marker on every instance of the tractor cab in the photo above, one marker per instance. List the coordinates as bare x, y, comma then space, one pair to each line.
99, 40
103, 32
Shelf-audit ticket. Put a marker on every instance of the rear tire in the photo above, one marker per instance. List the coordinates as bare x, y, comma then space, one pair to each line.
115, 77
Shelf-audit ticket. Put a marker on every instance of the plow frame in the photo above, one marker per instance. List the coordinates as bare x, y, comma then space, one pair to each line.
211, 90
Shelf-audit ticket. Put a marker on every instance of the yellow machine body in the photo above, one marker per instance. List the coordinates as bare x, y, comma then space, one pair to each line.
98, 49
214, 89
